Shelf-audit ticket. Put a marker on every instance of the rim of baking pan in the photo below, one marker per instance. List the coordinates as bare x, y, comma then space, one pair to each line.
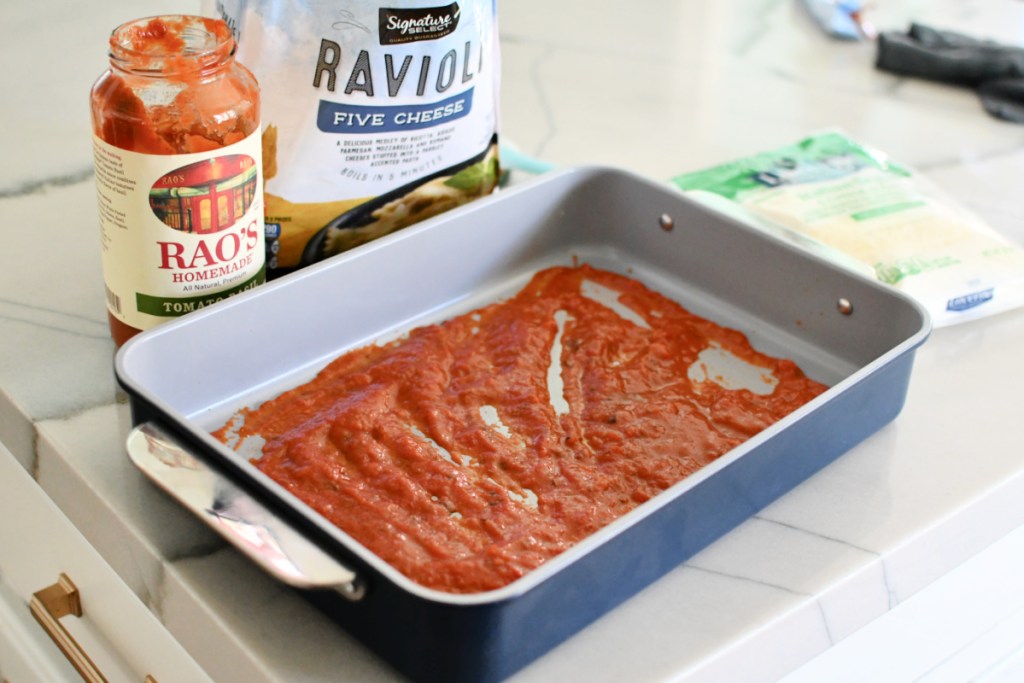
254, 477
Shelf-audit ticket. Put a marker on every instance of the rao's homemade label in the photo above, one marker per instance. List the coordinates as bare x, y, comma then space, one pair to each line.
376, 115
179, 232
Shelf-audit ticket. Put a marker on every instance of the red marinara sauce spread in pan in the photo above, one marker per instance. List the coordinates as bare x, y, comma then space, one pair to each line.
472, 451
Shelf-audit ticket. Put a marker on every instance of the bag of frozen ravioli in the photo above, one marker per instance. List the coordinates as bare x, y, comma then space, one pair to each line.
847, 201
376, 115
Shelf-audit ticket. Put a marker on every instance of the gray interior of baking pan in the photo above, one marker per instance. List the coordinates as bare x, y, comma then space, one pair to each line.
208, 364
194, 373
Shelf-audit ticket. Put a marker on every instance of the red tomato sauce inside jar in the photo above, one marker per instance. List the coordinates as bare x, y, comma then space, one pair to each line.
206, 100
474, 450
172, 88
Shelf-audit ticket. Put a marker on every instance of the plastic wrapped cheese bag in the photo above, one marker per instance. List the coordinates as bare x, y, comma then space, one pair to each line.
843, 196
376, 115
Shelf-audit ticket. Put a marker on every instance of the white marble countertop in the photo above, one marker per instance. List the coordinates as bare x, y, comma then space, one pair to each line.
659, 88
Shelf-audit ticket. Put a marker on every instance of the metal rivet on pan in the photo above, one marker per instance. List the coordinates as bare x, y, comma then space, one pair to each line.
666, 222
844, 306
353, 590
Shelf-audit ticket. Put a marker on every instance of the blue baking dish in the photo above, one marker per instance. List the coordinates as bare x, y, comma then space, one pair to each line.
187, 377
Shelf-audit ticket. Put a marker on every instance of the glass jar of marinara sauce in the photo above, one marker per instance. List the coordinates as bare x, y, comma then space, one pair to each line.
176, 142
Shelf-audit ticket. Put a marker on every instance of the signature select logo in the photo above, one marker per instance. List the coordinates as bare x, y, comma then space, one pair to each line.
423, 23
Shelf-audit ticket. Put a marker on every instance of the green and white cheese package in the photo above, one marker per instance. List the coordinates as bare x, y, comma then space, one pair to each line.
848, 200
376, 115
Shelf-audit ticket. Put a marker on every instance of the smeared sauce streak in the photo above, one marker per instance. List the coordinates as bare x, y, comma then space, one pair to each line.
522, 481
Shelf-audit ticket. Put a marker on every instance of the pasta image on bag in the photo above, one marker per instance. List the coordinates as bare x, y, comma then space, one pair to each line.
376, 115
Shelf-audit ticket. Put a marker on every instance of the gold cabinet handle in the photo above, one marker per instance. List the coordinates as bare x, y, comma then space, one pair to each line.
48, 606
52, 603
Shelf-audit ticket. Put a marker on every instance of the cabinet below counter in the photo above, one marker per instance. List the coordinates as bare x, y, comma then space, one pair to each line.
63, 610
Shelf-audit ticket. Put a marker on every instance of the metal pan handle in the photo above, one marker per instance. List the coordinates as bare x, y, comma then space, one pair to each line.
243, 521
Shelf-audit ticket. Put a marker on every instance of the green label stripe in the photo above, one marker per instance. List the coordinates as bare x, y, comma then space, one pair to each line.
892, 273
172, 307
885, 210
734, 179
